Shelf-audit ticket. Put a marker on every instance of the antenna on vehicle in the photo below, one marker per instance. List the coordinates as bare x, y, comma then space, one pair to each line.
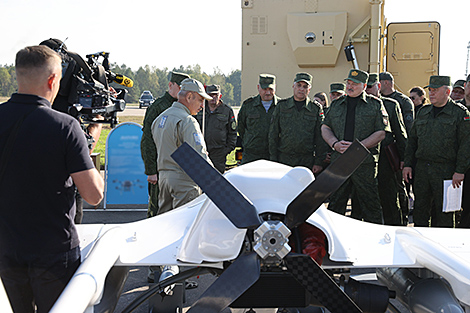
468, 52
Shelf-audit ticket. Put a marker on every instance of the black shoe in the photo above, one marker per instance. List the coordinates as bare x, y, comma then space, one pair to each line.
150, 280
189, 284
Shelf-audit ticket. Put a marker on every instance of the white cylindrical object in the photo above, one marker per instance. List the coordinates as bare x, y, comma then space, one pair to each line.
86, 285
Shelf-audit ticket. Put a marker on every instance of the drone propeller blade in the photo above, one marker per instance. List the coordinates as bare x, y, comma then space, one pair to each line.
233, 282
310, 199
228, 199
320, 285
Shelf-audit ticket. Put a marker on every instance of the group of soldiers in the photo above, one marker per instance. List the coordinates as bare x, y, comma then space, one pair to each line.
407, 147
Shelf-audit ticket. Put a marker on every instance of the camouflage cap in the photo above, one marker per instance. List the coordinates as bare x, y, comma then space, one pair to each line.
337, 87
303, 77
267, 81
459, 84
437, 81
385, 76
213, 89
176, 77
373, 79
190, 84
357, 76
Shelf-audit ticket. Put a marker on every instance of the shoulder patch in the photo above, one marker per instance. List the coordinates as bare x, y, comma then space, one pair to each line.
234, 125
466, 118
198, 138
163, 121
385, 116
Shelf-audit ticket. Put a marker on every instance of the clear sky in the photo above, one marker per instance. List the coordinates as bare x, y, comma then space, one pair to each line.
187, 32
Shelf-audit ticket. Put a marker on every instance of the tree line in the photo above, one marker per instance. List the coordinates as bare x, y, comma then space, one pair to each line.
150, 78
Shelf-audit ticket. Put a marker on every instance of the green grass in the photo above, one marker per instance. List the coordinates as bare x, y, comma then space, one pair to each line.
101, 145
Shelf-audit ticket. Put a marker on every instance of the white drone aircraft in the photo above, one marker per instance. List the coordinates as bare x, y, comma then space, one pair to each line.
239, 229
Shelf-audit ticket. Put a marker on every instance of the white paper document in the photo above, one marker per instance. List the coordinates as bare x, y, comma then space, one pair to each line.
452, 197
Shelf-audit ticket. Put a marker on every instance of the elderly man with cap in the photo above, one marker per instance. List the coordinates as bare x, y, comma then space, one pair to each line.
458, 90
387, 89
170, 129
336, 90
147, 145
440, 142
363, 117
254, 119
220, 128
390, 179
294, 135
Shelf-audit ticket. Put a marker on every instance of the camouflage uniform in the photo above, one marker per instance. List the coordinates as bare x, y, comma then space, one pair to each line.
406, 106
370, 117
295, 136
149, 150
441, 146
171, 128
388, 180
253, 128
220, 133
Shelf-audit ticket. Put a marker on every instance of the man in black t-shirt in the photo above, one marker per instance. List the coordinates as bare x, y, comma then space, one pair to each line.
43, 153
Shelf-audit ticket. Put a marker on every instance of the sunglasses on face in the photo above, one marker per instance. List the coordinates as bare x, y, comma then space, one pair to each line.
413, 98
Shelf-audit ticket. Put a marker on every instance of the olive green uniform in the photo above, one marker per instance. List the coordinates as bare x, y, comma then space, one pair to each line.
295, 136
149, 150
253, 128
220, 133
406, 106
388, 180
441, 146
171, 128
370, 117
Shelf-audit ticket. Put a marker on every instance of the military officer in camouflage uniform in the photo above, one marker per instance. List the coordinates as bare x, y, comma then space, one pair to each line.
440, 142
220, 128
294, 135
169, 130
147, 145
390, 181
465, 216
254, 119
363, 117
387, 89
458, 90
336, 90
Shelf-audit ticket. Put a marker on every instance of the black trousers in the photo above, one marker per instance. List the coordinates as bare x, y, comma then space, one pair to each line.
37, 279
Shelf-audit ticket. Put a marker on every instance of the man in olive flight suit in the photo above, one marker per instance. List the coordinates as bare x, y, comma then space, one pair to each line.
147, 145
294, 135
220, 128
388, 180
440, 142
363, 117
254, 119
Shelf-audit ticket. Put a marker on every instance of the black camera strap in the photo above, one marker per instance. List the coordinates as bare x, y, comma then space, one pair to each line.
11, 139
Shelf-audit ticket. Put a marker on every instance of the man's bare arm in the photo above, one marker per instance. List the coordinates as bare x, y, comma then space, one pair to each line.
90, 184
374, 139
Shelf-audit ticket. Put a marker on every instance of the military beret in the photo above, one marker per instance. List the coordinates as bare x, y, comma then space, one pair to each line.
459, 84
358, 76
337, 87
176, 77
303, 77
437, 81
385, 76
267, 81
213, 89
373, 79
